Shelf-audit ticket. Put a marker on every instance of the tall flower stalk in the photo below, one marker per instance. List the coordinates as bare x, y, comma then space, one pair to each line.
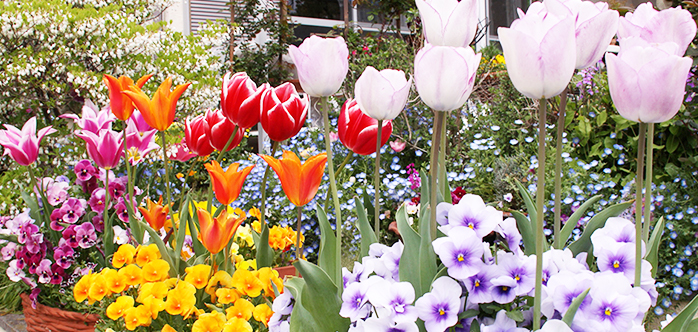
557, 241
333, 189
540, 214
434, 169
638, 202
648, 182
377, 183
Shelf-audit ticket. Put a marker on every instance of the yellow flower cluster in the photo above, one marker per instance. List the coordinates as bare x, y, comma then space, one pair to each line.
141, 274
280, 238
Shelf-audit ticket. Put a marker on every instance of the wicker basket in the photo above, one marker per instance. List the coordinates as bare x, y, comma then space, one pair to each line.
44, 319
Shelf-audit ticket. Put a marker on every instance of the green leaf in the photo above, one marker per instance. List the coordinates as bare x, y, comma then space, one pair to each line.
327, 259
409, 261
427, 257
672, 169
199, 248
597, 221
475, 326
165, 252
424, 192
515, 315
672, 143
182, 231
265, 255
301, 319
467, 314
368, 236
652, 254
601, 118
34, 210
526, 230
684, 319
571, 223
528, 200
574, 306
320, 298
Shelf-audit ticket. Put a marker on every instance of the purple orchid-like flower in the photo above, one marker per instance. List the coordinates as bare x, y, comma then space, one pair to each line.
502, 323
393, 300
84, 170
33, 296
70, 236
97, 200
33, 262
472, 212
359, 273
521, 268
86, 235
355, 304
72, 209
479, 286
63, 255
461, 252
442, 213
387, 261
439, 308
375, 324
510, 232
615, 233
621, 260
44, 271
93, 120
503, 289
616, 304
15, 270
563, 288
139, 144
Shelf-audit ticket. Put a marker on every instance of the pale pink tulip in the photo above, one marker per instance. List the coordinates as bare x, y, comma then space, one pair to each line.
382, 94
322, 64
448, 22
23, 145
669, 25
445, 75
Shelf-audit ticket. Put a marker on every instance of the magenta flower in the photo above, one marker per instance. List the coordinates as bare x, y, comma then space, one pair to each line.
139, 144
44, 271
57, 274
121, 210
72, 210
136, 124
461, 252
84, 170
93, 120
57, 192
98, 222
439, 308
64, 255
105, 148
70, 236
397, 145
8, 251
180, 152
117, 188
86, 235
23, 145
97, 199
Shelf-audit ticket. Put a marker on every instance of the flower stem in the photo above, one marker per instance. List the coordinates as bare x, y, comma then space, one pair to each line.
167, 175
377, 183
108, 240
434, 168
648, 182
540, 202
557, 241
264, 252
337, 274
299, 254
218, 160
129, 189
638, 203
339, 170
442, 164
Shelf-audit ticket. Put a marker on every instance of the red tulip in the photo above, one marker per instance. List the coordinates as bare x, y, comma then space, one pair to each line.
283, 111
358, 131
220, 129
195, 133
239, 102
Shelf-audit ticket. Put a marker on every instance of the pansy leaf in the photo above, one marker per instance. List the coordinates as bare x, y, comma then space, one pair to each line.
368, 236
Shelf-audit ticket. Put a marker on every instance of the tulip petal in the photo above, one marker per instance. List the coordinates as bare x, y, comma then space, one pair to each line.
443, 77
593, 37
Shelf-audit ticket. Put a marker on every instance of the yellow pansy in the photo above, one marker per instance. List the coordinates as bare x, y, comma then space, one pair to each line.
117, 309
198, 275
123, 256
245, 282
156, 270
208, 322
241, 309
269, 277
115, 282
227, 295
147, 254
244, 235
262, 313
132, 274
237, 325
98, 289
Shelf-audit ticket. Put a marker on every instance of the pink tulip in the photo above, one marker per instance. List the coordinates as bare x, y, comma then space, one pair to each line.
105, 148
239, 102
669, 25
382, 94
540, 52
136, 123
23, 145
595, 26
139, 145
93, 120
283, 112
445, 75
647, 84
448, 22
322, 64
398, 145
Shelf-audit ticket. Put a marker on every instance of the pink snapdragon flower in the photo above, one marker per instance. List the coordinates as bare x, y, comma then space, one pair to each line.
93, 120
23, 145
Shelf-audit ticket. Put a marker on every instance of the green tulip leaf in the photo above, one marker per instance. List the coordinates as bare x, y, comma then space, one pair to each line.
427, 257
409, 261
166, 253
182, 231
526, 230
528, 200
265, 255
597, 221
655, 241
574, 306
684, 319
320, 298
571, 223
327, 259
301, 319
368, 236
33, 206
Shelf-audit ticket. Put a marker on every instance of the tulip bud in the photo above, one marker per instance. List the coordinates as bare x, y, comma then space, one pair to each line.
382, 95
195, 133
669, 25
322, 64
445, 75
358, 131
448, 22
647, 84
238, 101
540, 52
220, 129
283, 111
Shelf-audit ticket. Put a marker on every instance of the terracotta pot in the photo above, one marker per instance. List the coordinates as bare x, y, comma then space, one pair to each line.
288, 270
45, 318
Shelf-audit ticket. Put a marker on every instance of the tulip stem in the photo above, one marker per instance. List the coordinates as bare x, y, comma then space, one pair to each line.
434, 169
339, 170
540, 202
442, 164
39, 195
377, 183
264, 252
129, 188
299, 254
337, 273
557, 241
638, 203
218, 160
648, 182
108, 231
167, 176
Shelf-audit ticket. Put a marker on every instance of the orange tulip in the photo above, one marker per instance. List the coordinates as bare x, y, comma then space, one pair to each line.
121, 105
156, 214
300, 182
227, 184
215, 233
159, 112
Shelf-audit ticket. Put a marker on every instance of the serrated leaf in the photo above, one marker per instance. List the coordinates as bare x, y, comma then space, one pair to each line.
597, 221
368, 236
327, 259
571, 223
